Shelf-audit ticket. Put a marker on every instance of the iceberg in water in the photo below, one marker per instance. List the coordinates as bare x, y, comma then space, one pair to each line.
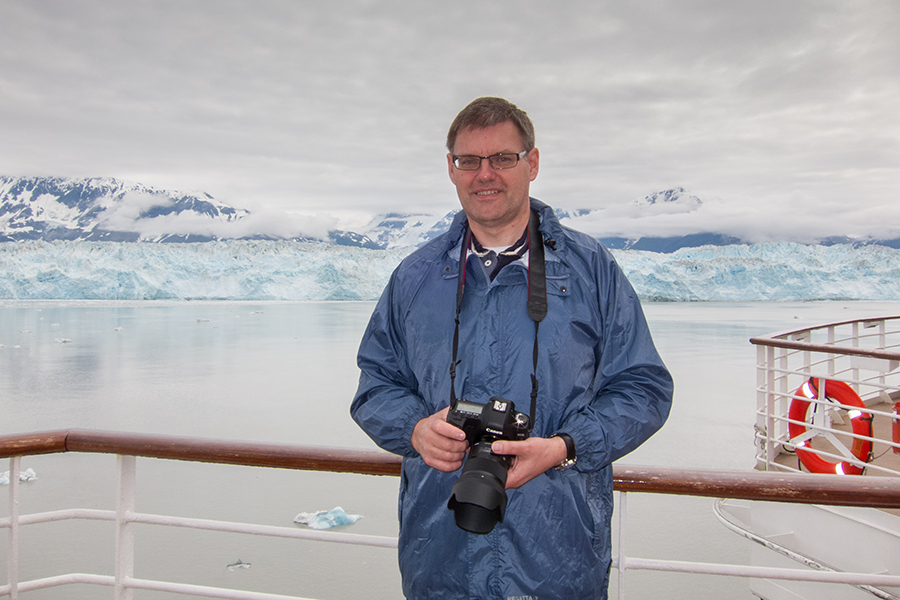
261, 270
239, 564
325, 519
26, 475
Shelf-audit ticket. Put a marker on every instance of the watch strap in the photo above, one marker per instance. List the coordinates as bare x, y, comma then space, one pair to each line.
570, 451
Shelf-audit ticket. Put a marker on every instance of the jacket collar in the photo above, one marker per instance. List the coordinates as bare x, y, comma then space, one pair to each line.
550, 228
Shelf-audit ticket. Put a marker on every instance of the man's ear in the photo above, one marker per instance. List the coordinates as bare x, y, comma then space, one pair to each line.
534, 161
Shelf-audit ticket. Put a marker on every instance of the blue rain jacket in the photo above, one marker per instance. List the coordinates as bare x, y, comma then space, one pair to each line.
601, 381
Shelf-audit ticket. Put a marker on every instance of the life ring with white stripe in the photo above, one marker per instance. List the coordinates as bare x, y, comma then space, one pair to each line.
840, 392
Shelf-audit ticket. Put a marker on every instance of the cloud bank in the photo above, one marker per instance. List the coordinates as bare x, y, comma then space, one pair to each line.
130, 214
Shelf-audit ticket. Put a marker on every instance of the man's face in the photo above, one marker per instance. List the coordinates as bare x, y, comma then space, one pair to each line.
493, 198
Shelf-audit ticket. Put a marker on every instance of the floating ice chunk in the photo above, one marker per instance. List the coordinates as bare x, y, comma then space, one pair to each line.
62, 341
26, 475
324, 519
119, 329
238, 565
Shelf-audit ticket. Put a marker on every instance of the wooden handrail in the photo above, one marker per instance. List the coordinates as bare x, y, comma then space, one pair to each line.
805, 488
253, 454
776, 340
826, 348
878, 492
25, 444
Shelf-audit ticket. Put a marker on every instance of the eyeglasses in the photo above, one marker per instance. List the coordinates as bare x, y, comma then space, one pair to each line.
501, 160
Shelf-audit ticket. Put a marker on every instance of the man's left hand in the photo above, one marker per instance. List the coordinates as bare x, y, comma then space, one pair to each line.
531, 457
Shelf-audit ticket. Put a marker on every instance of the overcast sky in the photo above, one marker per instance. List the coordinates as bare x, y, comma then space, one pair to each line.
782, 117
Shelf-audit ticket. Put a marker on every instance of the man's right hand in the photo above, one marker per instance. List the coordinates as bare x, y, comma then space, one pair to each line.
441, 445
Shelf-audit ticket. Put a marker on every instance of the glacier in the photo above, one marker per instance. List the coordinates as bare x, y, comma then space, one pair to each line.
280, 270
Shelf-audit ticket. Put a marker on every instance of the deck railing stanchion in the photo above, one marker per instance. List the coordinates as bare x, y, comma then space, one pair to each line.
124, 527
620, 557
882, 342
779, 392
768, 396
13, 562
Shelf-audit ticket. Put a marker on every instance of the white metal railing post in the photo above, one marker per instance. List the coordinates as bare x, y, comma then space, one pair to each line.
832, 359
779, 361
765, 402
882, 342
768, 396
124, 527
620, 547
13, 560
762, 418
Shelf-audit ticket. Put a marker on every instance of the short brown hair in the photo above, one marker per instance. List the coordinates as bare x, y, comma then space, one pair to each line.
487, 112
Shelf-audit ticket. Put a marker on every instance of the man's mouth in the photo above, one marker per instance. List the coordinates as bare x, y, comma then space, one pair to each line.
487, 192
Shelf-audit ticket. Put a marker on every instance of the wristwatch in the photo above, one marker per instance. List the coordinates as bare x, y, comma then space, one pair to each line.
570, 451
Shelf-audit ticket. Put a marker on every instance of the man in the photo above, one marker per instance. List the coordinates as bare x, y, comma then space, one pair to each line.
602, 387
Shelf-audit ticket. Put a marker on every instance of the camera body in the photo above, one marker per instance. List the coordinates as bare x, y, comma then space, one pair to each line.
497, 420
478, 498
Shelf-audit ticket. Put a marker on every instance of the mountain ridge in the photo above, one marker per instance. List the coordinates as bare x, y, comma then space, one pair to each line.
109, 209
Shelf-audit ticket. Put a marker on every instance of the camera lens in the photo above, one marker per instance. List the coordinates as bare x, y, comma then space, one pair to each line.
478, 498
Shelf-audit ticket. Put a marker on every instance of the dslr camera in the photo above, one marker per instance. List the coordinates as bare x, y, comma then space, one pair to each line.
478, 499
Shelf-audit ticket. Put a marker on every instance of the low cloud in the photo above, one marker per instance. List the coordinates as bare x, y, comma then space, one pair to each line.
130, 213
750, 221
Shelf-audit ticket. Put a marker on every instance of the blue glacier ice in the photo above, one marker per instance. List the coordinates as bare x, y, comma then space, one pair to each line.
286, 270
326, 519
771, 272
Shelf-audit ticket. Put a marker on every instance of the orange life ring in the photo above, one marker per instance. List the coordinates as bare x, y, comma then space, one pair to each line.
839, 392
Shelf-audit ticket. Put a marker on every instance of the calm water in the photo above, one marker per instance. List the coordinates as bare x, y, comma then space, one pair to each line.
285, 372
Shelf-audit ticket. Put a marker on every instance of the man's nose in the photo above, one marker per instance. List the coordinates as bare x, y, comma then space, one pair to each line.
485, 171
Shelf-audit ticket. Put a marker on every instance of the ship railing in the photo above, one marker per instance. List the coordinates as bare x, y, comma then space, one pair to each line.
744, 485
863, 353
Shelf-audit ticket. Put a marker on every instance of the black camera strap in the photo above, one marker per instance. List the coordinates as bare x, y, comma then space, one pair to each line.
537, 303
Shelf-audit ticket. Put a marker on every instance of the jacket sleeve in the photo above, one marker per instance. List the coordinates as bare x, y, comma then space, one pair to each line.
386, 405
633, 388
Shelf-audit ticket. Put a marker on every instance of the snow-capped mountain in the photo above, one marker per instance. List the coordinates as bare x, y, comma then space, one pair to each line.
98, 209
676, 209
395, 230
111, 210
675, 198
104, 209
405, 230
675, 201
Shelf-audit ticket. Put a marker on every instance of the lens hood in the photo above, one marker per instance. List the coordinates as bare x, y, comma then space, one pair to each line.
478, 499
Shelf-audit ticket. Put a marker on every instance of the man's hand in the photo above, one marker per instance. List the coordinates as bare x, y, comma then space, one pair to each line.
441, 445
531, 457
